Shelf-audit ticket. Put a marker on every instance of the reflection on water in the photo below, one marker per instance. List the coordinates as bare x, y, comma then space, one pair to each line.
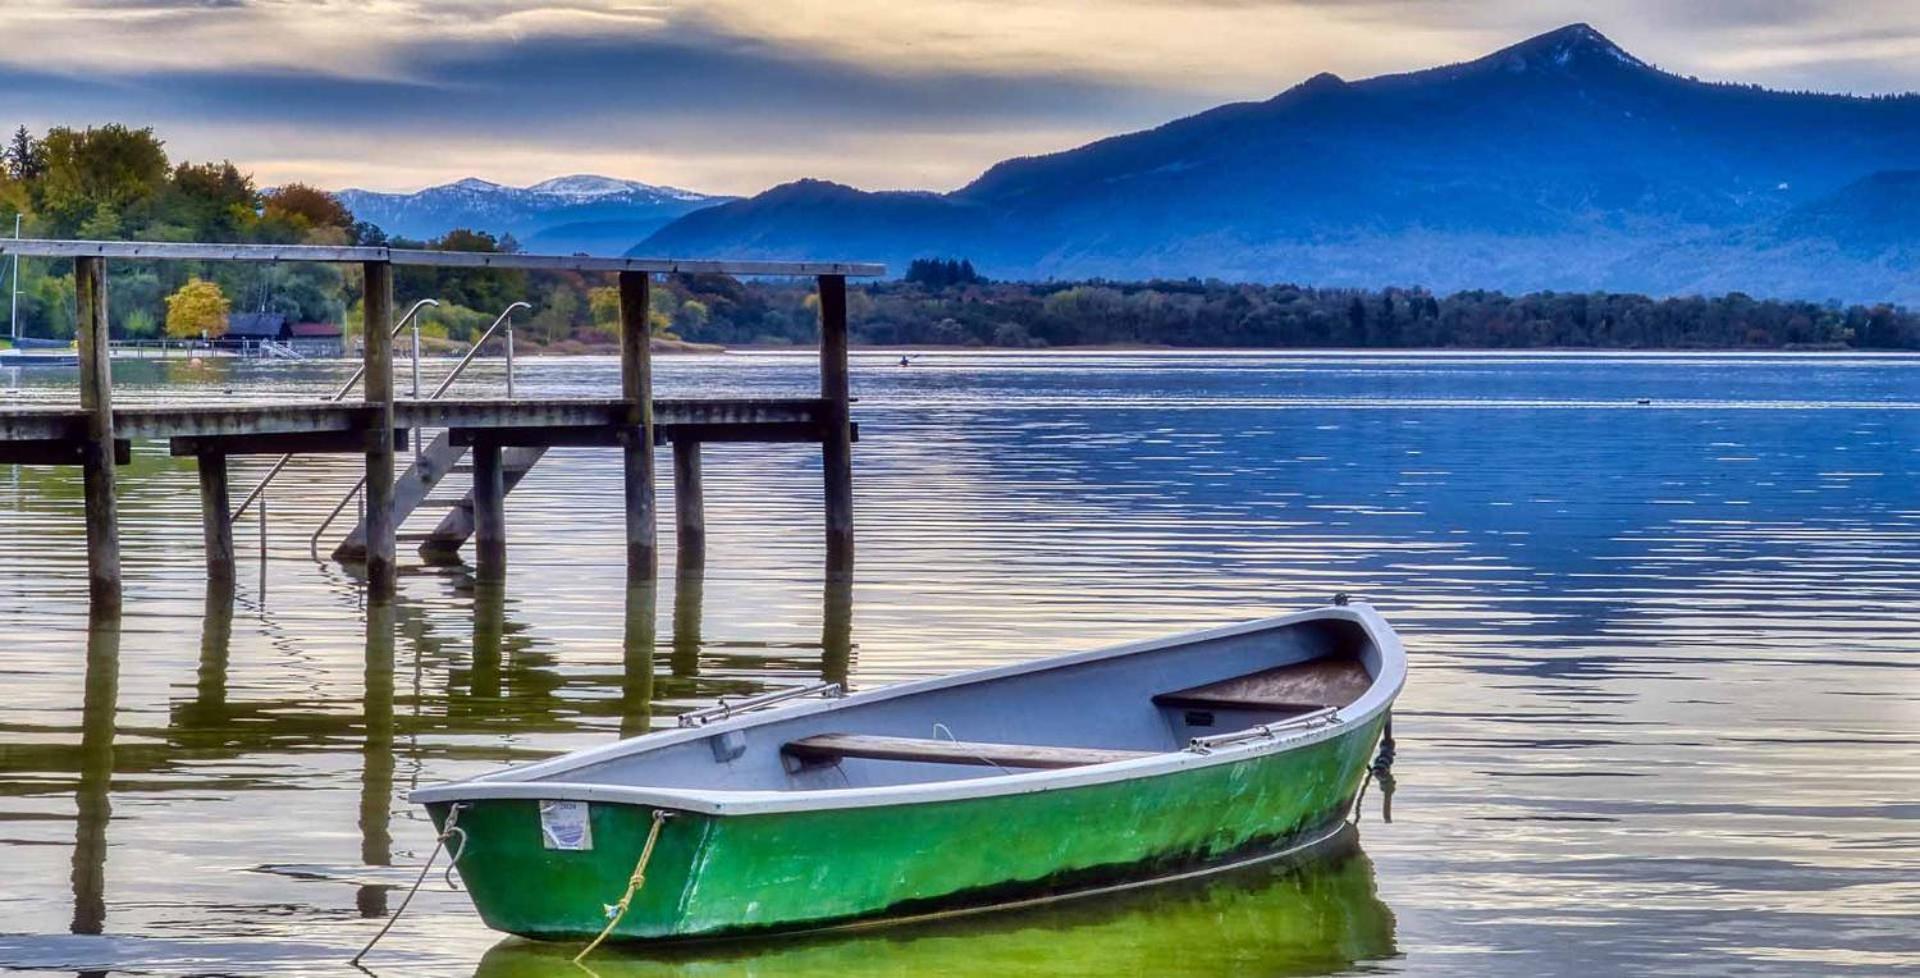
94, 809
376, 756
1661, 717
1315, 915
636, 672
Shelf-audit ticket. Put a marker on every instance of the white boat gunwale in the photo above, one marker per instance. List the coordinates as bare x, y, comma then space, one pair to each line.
525, 782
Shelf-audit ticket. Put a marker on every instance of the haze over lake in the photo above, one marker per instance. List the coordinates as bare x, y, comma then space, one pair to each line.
1661, 714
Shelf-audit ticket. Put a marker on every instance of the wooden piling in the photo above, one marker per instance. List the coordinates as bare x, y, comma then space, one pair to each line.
376, 341
636, 388
836, 444
489, 512
689, 507
96, 454
216, 517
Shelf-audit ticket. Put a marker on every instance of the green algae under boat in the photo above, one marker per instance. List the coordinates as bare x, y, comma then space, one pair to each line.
1002, 787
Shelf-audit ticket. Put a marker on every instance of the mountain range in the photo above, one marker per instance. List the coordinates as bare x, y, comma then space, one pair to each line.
581, 213
1562, 162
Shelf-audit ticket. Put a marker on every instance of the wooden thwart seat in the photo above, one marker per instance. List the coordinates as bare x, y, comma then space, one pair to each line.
1299, 688
830, 748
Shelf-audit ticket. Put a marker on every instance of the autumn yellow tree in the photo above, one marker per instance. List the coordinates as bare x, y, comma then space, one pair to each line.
199, 308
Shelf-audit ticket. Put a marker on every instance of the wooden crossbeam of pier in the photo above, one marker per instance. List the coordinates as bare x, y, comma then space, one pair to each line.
267, 420
504, 437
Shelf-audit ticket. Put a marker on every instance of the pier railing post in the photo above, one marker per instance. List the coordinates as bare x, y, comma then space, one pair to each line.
96, 399
636, 388
489, 512
836, 446
216, 519
376, 339
689, 506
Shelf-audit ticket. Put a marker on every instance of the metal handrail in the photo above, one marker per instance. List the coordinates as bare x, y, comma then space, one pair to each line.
313, 542
725, 709
459, 368
339, 395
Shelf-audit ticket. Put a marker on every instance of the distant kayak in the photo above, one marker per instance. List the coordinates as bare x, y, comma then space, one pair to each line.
1082, 773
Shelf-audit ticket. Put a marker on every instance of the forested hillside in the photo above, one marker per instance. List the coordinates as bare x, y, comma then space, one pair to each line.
1220, 314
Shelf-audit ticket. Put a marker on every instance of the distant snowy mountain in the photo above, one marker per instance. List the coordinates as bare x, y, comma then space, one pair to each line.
584, 212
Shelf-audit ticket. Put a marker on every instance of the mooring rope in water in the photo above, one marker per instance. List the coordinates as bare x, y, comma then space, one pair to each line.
440, 842
1382, 770
615, 911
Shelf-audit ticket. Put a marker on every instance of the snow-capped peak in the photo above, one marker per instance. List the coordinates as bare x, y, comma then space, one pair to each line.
477, 184
587, 185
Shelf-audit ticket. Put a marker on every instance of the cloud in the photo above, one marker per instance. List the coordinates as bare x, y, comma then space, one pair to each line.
732, 95
737, 104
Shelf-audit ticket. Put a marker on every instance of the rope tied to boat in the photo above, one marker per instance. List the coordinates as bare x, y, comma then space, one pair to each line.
616, 911
450, 830
1380, 770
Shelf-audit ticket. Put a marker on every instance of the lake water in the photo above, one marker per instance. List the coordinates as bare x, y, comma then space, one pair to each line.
1663, 715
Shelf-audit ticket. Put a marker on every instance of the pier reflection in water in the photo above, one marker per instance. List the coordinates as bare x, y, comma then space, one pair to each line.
1317, 914
91, 796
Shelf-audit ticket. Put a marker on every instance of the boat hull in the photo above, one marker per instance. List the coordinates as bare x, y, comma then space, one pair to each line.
721, 874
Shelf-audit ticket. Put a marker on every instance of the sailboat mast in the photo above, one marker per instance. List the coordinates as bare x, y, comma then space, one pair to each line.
13, 296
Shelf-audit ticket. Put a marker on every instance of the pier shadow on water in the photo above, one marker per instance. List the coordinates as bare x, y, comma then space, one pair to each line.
1314, 914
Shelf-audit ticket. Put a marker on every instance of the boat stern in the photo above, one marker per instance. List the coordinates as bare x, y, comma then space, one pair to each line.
555, 870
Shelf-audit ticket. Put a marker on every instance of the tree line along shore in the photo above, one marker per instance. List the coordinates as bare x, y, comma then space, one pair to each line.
115, 182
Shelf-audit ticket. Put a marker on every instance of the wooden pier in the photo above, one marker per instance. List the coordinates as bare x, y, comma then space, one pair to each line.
503, 437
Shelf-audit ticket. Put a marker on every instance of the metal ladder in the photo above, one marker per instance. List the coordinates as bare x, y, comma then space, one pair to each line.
431, 464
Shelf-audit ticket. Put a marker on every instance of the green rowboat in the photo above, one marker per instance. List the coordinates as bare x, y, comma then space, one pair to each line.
1002, 787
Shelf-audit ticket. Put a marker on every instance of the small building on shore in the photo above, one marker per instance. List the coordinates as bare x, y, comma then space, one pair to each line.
317, 339
308, 339
250, 328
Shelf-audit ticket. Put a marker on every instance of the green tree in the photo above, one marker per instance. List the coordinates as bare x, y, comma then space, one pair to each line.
211, 202
603, 305
24, 159
691, 317
199, 308
99, 177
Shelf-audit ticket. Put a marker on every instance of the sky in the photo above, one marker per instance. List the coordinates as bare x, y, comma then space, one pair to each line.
734, 96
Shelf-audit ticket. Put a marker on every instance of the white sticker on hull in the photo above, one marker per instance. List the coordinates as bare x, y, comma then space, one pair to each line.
564, 825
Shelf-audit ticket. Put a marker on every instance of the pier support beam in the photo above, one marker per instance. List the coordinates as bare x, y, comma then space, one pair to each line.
216, 518
636, 388
376, 339
489, 512
689, 506
836, 446
96, 459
